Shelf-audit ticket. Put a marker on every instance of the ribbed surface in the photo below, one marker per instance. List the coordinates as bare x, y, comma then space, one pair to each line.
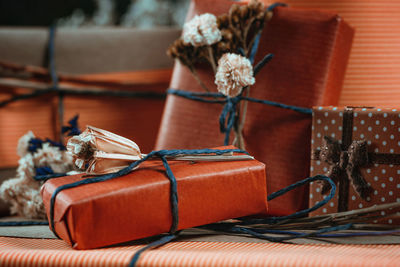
311, 49
41, 252
373, 73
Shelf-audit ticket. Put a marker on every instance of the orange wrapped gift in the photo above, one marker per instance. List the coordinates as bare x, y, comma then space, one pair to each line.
134, 61
138, 205
311, 50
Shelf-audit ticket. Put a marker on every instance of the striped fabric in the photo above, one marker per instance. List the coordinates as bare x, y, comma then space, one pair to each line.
51, 252
373, 73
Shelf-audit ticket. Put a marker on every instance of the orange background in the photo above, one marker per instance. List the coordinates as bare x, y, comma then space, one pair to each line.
373, 74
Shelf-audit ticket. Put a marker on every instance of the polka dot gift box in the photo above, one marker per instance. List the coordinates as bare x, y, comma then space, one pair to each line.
359, 148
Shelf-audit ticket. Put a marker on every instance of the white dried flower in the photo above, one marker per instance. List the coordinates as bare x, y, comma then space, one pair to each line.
234, 72
22, 193
58, 160
201, 30
23, 144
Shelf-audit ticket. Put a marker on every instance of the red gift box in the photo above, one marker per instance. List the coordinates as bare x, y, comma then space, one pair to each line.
311, 50
138, 205
360, 147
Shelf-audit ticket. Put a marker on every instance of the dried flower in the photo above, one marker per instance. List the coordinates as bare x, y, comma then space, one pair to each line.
99, 151
22, 193
23, 144
201, 30
234, 72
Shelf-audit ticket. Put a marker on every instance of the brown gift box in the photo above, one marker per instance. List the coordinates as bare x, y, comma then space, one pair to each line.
380, 128
138, 205
310, 50
117, 58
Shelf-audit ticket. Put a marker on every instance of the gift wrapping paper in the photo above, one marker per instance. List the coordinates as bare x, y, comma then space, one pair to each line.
134, 61
380, 128
138, 205
372, 76
310, 50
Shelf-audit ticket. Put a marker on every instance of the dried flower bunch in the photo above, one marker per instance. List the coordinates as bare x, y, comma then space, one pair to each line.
228, 39
226, 33
23, 192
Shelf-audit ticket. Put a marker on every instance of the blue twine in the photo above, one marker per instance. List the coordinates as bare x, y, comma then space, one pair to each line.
228, 115
274, 5
44, 170
23, 223
51, 53
274, 220
73, 128
35, 143
162, 241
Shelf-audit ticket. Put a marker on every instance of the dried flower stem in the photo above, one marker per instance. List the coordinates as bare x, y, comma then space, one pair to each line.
211, 58
353, 216
197, 77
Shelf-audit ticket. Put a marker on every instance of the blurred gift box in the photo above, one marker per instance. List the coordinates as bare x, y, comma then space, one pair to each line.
107, 58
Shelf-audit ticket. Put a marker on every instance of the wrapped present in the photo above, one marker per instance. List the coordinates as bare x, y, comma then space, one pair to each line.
311, 50
138, 205
134, 61
374, 64
359, 149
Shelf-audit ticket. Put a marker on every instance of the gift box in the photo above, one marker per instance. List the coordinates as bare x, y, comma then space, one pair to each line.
311, 50
138, 205
359, 148
134, 61
374, 64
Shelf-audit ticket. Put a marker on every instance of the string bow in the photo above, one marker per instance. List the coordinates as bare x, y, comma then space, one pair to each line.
228, 117
345, 164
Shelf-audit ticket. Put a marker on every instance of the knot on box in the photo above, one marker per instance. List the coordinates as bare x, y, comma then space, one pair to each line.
346, 158
345, 164
229, 115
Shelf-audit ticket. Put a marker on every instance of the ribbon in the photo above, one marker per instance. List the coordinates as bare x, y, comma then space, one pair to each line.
345, 161
228, 115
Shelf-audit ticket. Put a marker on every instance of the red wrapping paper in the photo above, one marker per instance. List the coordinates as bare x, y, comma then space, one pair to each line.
380, 128
138, 205
311, 50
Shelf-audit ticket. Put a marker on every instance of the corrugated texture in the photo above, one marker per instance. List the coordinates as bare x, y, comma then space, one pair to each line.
373, 73
40, 252
310, 49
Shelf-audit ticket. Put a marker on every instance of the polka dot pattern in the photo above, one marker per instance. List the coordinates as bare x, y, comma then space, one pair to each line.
380, 128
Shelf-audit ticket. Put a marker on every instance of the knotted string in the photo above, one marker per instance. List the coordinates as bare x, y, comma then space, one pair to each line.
228, 115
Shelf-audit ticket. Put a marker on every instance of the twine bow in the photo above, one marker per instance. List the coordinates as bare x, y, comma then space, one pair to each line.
345, 164
228, 117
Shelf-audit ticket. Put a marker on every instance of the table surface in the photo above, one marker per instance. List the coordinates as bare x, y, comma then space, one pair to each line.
54, 252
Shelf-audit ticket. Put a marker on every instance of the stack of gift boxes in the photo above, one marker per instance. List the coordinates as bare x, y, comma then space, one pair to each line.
357, 147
